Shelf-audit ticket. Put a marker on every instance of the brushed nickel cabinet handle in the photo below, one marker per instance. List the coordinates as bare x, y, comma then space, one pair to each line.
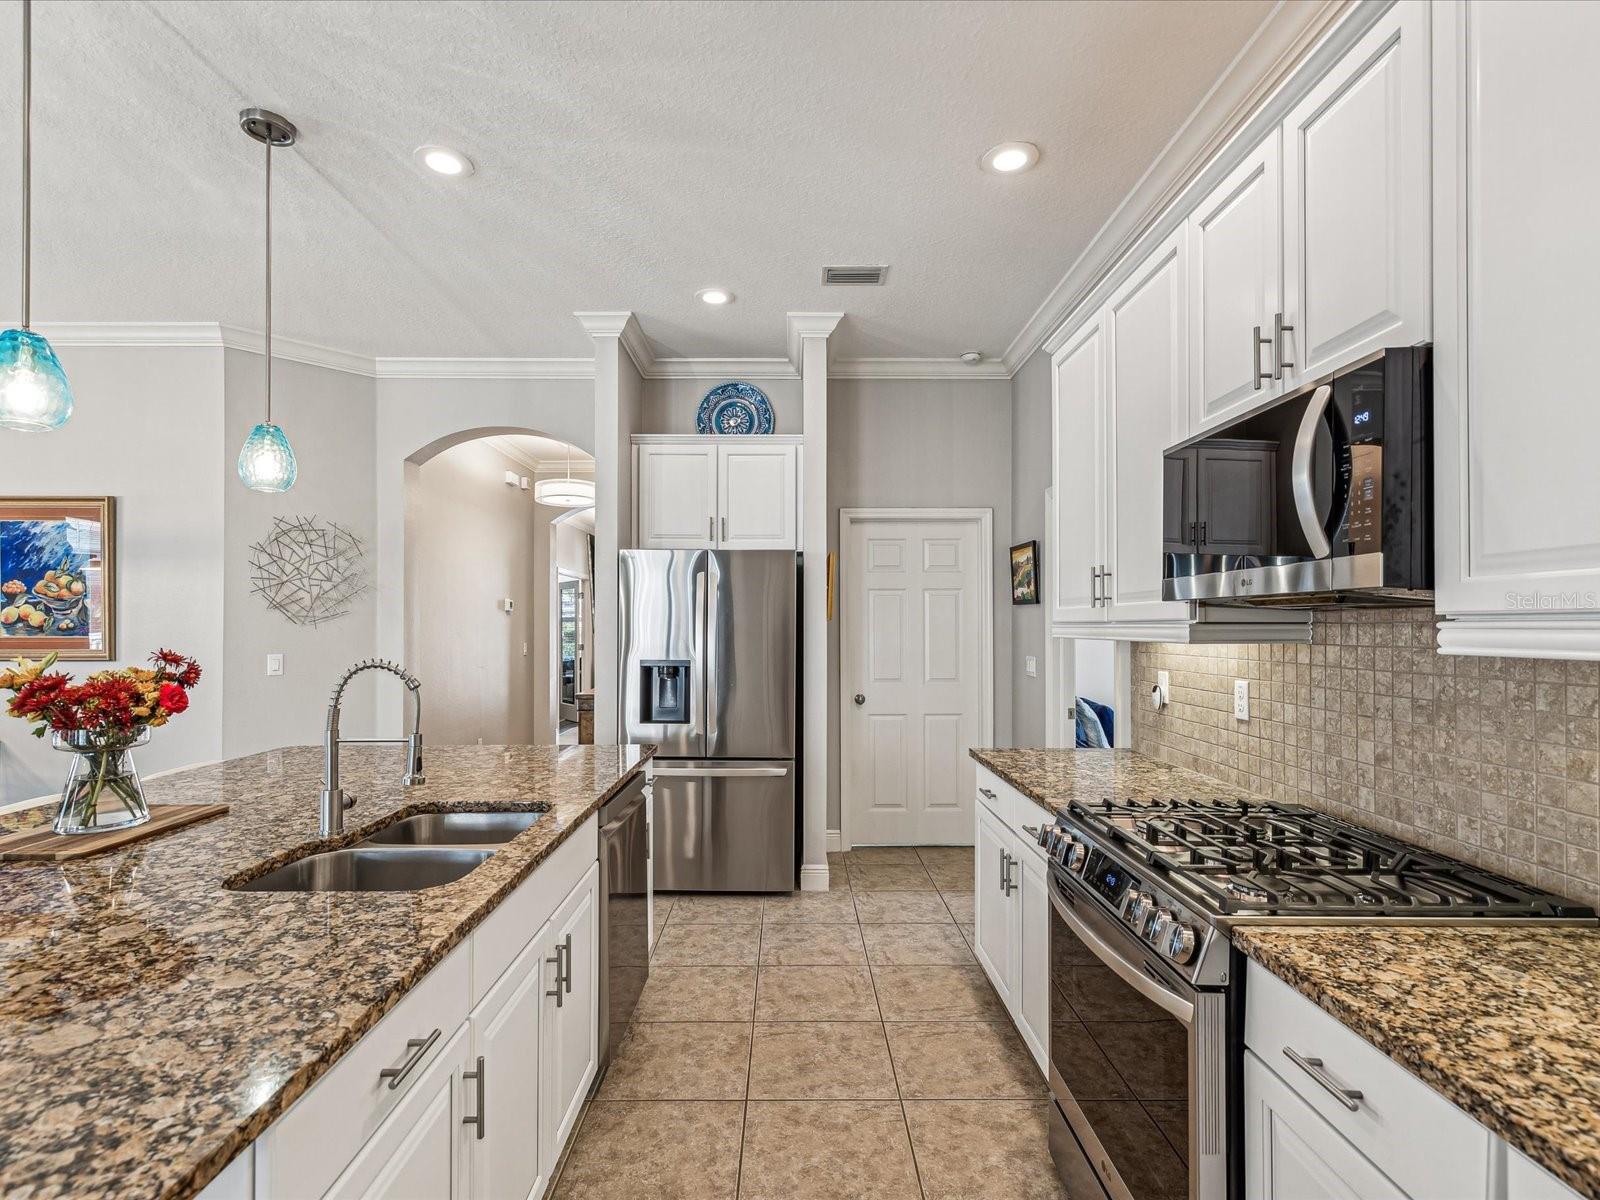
1278, 330
1256, 351
567, 951
724, 528
711, 529
419, 1048
556, 991
1349, 1097
986, 793
476, 1076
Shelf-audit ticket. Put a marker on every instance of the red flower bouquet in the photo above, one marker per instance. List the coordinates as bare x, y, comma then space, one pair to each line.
100, 721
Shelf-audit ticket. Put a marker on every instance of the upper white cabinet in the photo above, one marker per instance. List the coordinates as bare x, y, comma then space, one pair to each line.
1517, 506
703, 493
1355, 203
1147, 341
1077, 409
1235, 280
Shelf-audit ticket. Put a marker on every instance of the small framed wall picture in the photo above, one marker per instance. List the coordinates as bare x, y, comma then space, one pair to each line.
58, 577
1025, 573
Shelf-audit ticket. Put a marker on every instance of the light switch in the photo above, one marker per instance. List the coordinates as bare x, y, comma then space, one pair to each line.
274, 664
507, 604
511, 478
1030, 666
1241, 699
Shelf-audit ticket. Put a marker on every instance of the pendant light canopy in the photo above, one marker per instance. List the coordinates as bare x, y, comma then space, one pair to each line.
266, 462
34, 394
565, 493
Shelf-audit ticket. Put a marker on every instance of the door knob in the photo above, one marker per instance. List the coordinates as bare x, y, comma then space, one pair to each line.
860, 699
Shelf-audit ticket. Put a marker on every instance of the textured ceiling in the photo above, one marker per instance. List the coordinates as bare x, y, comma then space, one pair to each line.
627, 154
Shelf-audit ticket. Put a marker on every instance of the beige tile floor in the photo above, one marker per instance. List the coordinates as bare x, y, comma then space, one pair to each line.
840, 1044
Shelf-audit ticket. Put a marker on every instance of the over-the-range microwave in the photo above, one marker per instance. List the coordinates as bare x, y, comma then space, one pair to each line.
1323, 497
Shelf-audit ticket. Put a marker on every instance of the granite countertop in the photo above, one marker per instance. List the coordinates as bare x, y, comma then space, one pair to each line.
153, 1023
1501, 1021
1056, 777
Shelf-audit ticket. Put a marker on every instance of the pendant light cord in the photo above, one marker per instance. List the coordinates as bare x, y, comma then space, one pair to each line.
269, 281
27, 153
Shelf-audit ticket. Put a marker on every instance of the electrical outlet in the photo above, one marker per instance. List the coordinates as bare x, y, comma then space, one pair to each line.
1030, 666
1164, 682
274, 664
1241, 699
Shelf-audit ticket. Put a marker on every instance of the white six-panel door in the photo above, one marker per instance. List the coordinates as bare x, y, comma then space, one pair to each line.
914, 650
1355, 202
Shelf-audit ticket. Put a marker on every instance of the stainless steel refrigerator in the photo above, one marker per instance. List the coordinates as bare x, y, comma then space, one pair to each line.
709, 675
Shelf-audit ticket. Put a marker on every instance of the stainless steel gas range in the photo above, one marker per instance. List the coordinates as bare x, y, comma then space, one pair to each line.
1147, 992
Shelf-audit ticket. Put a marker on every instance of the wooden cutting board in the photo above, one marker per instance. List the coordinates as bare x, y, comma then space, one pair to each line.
45, 845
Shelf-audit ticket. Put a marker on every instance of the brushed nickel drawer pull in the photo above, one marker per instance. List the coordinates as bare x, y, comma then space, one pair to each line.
1349, 1097
556, 991
986, 793
567, 949
477, 1077
419, 1048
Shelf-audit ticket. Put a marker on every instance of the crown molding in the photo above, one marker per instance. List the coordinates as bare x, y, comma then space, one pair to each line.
916, 368
802, 325
484, 368
722, 368
131, 333
1289, 35
625, 328
252, 341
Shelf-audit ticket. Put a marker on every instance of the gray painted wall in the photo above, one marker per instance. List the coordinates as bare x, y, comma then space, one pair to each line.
916, 444
328, 416
147, 429
670, 405
471, 541
1030, 476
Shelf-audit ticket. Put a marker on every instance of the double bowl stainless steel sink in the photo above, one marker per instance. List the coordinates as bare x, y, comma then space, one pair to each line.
416, 852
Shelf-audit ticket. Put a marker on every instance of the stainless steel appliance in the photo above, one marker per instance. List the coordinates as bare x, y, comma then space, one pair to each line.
708, 674
1147, 992
624, 915
1324, 497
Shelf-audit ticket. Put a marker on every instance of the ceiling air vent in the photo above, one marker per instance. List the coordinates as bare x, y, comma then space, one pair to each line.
851, 276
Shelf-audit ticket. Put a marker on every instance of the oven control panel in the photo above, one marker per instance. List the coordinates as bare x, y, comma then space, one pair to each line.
1155, 922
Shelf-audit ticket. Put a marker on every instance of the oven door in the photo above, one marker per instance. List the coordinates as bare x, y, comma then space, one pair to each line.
1137, 1061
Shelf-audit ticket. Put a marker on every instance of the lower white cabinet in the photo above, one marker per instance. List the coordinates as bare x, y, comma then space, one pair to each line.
1011, 910
1293, 1154
443, 1102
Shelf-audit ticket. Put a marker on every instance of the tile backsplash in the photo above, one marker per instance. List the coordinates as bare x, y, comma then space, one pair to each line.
1492, 760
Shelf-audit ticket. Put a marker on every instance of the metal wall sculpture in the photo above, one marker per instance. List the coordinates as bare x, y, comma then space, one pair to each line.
309, 571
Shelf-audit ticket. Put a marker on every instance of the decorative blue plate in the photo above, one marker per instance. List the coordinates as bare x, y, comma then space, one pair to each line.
734, 408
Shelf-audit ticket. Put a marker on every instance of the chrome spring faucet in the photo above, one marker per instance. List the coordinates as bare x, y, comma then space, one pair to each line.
334, 801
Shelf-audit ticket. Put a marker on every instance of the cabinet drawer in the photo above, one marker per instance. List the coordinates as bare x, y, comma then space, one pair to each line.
503, 934
303, 1152
1013, 808
1432, 1149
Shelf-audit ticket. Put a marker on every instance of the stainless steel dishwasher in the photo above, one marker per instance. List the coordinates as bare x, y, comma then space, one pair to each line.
624, 912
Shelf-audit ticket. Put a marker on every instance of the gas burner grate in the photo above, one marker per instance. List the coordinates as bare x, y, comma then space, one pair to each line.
1283, 859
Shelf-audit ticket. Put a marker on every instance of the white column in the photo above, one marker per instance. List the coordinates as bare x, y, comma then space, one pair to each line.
808, 350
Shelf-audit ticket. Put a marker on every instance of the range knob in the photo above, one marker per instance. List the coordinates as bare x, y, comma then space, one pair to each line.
1178, 942
1137, 908
1074, 854
1156, 926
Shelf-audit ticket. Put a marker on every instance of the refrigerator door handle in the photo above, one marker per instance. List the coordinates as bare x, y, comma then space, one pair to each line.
711, 626
721, 772
702, 663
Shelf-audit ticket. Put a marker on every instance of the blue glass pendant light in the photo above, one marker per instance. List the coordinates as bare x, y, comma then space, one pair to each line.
266, 461
34, 394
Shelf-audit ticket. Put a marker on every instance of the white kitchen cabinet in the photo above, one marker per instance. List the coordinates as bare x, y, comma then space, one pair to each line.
1078, 441
757, 496
236, 1181
1032, 1009
1235, 280
705, 493
993, 907
675, 488
1147, 338
420, 1150
1293, 1154
1517, 509
507, 1032
1355, 202
570, 1040
1520, 1178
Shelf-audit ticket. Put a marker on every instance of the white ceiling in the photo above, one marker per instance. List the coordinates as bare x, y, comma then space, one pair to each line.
543, 454
628, 154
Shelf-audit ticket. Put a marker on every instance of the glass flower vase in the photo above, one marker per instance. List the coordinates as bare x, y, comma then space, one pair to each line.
102, 790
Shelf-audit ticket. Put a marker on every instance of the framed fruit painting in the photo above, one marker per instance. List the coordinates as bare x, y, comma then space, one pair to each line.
58, 577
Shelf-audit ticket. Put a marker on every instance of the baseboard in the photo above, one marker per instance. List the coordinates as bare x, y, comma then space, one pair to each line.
814, 879
835, 841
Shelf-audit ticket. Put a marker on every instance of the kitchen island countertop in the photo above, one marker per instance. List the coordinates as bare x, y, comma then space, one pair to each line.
154, 1022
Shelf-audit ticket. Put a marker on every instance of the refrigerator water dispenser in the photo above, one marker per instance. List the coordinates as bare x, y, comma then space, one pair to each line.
664, 692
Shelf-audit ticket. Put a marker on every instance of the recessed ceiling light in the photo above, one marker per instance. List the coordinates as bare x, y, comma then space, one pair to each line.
1010, 157
715, 295
442, 160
